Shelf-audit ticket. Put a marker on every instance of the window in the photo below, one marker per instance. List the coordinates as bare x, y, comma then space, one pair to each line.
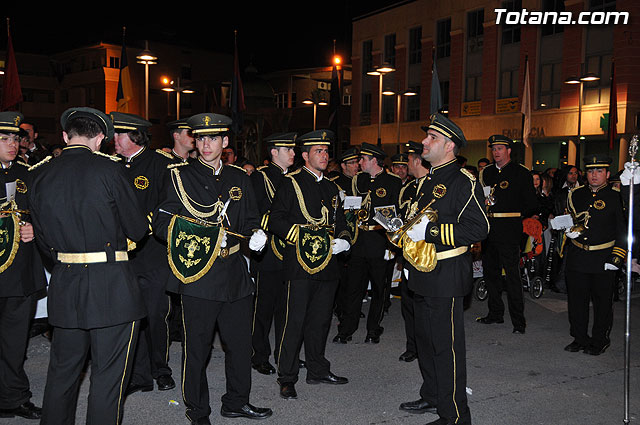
366, 103
550, 85
509, 84
281, 100
444, 90
473, 88
294, 99
598, 91
552, 6
413, 106
388, 109
443, 38
390, 49
511, 32
475, 30
346, 99
367, 56
602, 5
114, 62
415, 45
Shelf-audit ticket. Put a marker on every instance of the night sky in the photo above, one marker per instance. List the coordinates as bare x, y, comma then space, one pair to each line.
271, 35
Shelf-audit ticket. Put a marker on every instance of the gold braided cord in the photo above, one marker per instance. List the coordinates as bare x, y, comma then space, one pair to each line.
188, 202
268, 186
577, 215
311, 220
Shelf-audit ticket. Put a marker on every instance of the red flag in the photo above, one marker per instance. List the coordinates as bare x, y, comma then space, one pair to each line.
11, 91
613, 107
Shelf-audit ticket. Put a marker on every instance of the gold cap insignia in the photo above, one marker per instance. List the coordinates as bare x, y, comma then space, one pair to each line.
16, 120
206, 120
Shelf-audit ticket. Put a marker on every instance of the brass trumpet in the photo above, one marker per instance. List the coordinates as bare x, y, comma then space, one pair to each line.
581, 222
395, 237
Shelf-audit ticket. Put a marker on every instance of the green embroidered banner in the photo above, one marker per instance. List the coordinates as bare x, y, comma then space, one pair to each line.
351, 217
9, 240
313, 248
192, 248
278, 245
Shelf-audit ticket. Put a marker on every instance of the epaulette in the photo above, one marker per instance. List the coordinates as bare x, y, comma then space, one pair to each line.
165, 154
333, 179
575, 188
468, 174
24, 164
293, 173
524, 166
177, 164
262, 167
44, 161
239, 168
394, 174
617, 189
111, 157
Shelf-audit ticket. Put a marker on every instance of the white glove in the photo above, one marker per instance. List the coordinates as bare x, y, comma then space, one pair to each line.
609, 266
223, 242
570, 234
417, 232
406, 273
389, 255
625, 177
258, 240
339, 245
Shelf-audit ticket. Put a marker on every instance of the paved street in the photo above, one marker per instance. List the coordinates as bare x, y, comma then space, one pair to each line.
514, 379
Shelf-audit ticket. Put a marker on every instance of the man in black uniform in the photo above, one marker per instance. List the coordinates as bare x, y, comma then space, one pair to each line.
511, 198
350, 165
417, 168
209, 271
147, 174
305, 211
440, 284
183, 143
21, 273
399, 167
379, 191
84, 210
267, 265
597, 249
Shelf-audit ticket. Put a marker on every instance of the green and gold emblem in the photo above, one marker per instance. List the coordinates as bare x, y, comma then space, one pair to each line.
192, 248
278, 245
313, 248
9, 240
351, 217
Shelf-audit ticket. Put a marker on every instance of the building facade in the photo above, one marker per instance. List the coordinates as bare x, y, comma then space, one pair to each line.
481, 69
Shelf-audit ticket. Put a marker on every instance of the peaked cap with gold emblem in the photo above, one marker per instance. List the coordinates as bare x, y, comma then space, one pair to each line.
372, 150
317, 137
499, 139
597, 161
10, 122
448, 128
209, 124
281, 140
123, 123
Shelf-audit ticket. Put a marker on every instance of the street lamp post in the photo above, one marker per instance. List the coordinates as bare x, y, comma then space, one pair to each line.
585, 78
178, 89
146, 58
309, 101
408, 92
380, 71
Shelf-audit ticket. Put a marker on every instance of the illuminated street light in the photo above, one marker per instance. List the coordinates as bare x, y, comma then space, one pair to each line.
389, 92
588, 77
380, 71
309, 101
146, 58
170, 87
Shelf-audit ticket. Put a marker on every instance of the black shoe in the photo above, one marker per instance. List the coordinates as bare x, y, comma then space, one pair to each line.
372, 338
165, 382
302, 364
247, 411
134, 388
201, 421
264, 368
418, 406
341, 339
443, 421
518, 330
487, 320
26, 410
288, 391
596, 350
408, 356
329, 378
574, 347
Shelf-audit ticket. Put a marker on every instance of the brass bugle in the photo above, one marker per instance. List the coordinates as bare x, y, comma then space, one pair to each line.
208, 223
396, 237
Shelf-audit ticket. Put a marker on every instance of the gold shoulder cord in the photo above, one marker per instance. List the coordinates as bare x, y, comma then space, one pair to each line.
317, 221
268, 186
584, 215
366, 201
188, 202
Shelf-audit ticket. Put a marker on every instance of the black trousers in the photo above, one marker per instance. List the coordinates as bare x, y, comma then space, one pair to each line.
442, 355
268, 308
234, 322
152, 352
15, 317
406, 307
341, 296
360, 270
309, 305
111, 351
583, 288
496, 257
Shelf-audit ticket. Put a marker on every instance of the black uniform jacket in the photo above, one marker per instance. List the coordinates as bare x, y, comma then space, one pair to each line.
286, 215
461, 222
266, 181
82, 202
344, 183
513, 191
228, 279
148, 176
25, 275
383, 190
606, 223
